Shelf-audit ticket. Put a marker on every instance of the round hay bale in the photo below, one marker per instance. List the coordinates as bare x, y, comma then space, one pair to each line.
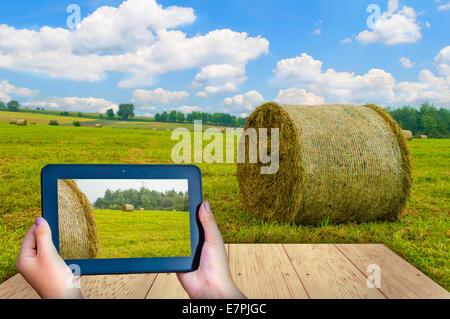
408, 134
423, 137
338, 163
98, 125
12, 121
76, 223
127, 208
141, 209
22, 122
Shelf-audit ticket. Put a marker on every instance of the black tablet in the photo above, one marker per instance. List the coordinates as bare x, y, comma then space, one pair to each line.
113, 219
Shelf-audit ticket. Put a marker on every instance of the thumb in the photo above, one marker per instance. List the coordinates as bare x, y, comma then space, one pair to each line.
43, 236
212, 233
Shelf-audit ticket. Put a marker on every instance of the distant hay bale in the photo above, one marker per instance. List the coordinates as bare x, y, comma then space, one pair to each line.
76, 223
338, 163
423, 137
142, 208
408, 134
98, 125
127, 208
32, 123
22, 122
12, 121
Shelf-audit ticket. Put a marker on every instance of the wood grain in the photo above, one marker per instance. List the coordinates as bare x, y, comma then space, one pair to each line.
399, 279
133, 286
264, 271
326, 273
167, 286
17, 288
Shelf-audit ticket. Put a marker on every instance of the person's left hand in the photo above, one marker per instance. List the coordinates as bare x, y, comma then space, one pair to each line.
43, 268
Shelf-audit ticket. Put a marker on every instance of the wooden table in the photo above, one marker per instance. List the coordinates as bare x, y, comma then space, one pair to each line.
275, 271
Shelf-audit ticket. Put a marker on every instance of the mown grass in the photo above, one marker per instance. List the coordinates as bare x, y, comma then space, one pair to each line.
142, 234
421, 235
38, 118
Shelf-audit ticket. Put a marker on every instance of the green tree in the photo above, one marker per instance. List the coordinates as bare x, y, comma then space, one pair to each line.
2, 105
173, 116
180, 117
110, 113
13, 105
157, 117
125, 111
164, 116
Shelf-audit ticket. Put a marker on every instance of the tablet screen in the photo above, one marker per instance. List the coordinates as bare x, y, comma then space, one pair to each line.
123, 218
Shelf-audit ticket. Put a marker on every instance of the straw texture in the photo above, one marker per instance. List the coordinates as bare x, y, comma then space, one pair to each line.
76, 222
338, 163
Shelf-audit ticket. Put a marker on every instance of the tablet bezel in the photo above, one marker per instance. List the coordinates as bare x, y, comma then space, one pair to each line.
49, 178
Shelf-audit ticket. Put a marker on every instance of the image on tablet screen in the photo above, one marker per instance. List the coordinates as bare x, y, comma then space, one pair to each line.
123, 218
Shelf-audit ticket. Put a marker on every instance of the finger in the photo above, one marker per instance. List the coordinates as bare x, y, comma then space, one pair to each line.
43, 237
28, 248
212, 233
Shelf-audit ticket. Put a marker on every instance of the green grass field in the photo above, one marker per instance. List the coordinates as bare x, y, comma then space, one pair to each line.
421, 235
39, 118
142, 234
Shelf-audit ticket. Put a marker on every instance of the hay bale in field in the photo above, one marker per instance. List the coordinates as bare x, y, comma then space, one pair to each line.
77, 227
141, 209
408, 134
12, 121
127, 208
32, 123
98, 125
423, 137
21, 122
338, 163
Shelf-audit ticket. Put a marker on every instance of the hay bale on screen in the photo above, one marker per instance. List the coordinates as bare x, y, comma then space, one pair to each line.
77, 227
338, 163
22, 122
12, 121
408, 134
127, 208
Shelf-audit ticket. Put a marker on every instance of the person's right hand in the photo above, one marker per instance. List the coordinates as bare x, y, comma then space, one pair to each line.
212, 279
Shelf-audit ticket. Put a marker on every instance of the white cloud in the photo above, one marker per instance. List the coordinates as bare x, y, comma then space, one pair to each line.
317, 32
347, 40
135, 39
8, 90
444, 7
159, 96
297, 96
148, 108
216, 90
406, 63
149, 115
189, 109
442, 61
376, 86
393, 27
243, 103
220, 73
77, 104
427, 24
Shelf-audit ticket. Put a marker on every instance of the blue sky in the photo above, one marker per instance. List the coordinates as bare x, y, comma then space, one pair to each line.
227, 56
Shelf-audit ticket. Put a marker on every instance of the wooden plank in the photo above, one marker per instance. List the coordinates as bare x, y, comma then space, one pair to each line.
399, 279
264, 271
17, 288
327, 273
132, 286
167, 286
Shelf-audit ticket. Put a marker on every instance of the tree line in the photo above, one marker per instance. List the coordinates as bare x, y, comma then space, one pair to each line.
427, 120
144, 198
224, 119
